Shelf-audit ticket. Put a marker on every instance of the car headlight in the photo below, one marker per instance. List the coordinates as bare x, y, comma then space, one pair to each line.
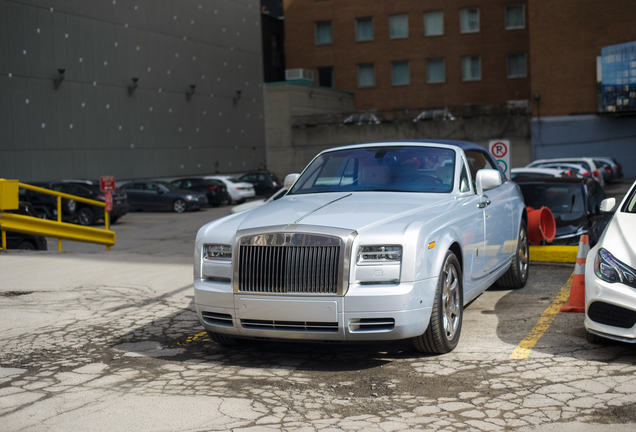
217, 252
379, 254
611, 270
189, 197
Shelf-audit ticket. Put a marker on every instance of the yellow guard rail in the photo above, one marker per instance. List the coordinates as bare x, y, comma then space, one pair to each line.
9, 200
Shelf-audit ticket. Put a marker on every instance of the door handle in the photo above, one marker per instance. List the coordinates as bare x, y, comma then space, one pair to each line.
483, 204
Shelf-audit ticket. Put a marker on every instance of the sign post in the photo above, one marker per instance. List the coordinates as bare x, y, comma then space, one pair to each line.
500, 149
107, 185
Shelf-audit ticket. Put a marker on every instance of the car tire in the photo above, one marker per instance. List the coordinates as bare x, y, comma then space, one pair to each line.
240, 201
444, 329
517, 275
226, 341
114, 220
86, 216
70, 206
179, 205
26, 245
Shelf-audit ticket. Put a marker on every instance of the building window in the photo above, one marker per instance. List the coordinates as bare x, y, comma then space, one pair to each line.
471, 68
515, 16
469, 20
364, 29
517, 65
433, 23
323, 33
366, 75
435, 71
325, 76
400, 73
398, 26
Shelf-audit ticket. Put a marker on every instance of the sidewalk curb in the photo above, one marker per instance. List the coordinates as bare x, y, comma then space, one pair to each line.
558, 254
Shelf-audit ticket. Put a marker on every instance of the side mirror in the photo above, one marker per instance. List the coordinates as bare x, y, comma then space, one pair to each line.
487, 179
160, 192
607, 205
290, 179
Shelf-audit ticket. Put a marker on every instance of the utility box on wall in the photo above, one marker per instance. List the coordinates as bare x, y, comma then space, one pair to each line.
9, 194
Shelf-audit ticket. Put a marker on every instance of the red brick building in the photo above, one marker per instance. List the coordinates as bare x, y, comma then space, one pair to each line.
401, 53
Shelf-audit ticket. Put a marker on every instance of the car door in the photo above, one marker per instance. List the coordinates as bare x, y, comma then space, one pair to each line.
497, 206
471, 228
155, 196
135, 193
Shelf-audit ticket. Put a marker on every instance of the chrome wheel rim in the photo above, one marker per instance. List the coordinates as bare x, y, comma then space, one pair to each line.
179, 206
523, 253
84, 219
450, 302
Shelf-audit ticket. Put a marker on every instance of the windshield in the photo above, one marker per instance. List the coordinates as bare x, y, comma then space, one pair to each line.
400, 169
559, 198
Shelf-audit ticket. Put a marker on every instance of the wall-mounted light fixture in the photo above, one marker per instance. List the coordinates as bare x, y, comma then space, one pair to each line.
191, 92
236, 97
131, 88
60, 77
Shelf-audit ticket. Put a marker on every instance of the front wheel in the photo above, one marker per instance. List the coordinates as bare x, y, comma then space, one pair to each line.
517, 274
86, 216
179, 206
444, 329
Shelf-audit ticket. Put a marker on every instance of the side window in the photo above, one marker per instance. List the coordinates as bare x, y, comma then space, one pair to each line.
151, 187
464, 181
178, 183
596, 195
476, 161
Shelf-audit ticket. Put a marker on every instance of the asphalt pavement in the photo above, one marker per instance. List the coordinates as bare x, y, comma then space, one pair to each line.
103, 341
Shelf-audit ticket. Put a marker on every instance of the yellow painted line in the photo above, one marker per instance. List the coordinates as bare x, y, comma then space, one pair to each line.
545, 320
560, 254
193, 338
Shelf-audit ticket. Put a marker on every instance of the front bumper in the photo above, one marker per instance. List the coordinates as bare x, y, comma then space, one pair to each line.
365, 313
610, 308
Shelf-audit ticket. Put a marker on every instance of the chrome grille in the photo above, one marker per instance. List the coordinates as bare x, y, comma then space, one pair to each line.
289, 269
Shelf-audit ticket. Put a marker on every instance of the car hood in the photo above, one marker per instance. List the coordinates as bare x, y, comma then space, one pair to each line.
355, 211
568, 223
619, 238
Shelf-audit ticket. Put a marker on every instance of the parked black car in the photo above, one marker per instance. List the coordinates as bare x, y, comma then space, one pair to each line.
88, 214
265, 183
75, 211
215, 190
25, 241
574, 202
160, 195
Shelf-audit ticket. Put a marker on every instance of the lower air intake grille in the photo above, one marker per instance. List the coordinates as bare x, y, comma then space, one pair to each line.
217, 319
295, 326
612, 315
371, 324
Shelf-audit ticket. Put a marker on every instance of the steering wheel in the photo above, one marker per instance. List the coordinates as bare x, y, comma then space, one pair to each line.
425, 177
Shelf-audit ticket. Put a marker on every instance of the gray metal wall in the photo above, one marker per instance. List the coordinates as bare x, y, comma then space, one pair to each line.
586, 135
89, 126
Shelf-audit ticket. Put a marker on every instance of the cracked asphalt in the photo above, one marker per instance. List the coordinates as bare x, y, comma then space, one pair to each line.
99, 341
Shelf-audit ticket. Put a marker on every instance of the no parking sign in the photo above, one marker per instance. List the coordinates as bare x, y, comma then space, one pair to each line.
500, 149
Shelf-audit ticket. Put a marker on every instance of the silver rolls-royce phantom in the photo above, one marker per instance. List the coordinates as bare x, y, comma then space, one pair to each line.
372, 242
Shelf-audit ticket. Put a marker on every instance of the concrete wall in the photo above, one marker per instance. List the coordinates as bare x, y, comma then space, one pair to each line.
310, 140
285, 101
292, 141
90, 126
587, 135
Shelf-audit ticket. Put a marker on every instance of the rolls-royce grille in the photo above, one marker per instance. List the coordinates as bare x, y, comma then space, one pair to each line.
289, 269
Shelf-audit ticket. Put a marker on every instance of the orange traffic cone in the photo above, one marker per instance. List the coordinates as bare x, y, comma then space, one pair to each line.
576, 303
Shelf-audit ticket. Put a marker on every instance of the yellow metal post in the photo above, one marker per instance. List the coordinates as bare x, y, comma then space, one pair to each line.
59, 219
106, 217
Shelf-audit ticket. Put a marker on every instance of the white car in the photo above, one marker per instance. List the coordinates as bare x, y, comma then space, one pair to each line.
372, 242
574, 170
239, 191
586, 162
536, 173
257, 203
610, 276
